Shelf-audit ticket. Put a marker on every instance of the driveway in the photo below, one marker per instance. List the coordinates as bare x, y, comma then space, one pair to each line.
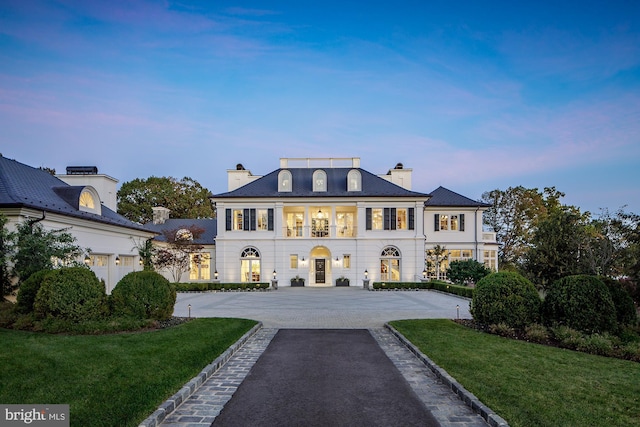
322, 308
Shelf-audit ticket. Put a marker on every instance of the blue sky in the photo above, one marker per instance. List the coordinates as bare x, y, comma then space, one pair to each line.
471, 95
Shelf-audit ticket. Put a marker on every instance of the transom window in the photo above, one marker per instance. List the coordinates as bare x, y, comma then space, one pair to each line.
86, 200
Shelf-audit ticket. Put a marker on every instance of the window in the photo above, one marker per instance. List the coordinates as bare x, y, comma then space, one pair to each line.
293, 261
184, 235
295, 221
263, 219
390, 218
448, 222
238, 223
390, 264
284, 181
354, 181
460, 254
86, 200
319, 180
490, 260
320, 224
250, 265
345, 224
199, 266
346, 261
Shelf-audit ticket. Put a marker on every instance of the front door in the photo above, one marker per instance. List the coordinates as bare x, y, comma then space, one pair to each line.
320, 270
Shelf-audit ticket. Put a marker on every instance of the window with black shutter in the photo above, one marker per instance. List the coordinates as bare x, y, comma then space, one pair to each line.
412, 219
228, 224
368, 218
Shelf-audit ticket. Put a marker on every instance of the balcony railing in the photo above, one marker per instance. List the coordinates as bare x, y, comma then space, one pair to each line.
310, 232
488, 236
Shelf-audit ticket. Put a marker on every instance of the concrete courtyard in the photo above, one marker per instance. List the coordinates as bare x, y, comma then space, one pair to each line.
323, 308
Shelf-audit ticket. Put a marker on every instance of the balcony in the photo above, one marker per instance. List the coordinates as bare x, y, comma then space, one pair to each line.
320, 232
489, 237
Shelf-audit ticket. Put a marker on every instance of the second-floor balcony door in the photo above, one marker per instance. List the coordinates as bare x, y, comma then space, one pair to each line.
320, 270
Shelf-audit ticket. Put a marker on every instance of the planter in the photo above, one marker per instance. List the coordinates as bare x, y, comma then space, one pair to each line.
342, 282
297, 282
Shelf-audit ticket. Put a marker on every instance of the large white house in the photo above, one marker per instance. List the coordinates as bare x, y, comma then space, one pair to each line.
325, 219
84, 203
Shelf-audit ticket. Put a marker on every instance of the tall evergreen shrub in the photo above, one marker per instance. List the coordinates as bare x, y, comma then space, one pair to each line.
143, 295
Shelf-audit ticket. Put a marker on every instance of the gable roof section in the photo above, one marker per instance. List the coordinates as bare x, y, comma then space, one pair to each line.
25, 186
372, 186
208, 237
444, 197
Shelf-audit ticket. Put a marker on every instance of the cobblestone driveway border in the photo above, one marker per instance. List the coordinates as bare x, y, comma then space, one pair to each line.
189, 388
467, 397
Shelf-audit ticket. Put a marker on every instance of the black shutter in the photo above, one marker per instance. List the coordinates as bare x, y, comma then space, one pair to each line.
436, 222
227, 214
412, 219
252, 219
387, 218
270, 220
368, 218
461, 222
245, 219
392, 220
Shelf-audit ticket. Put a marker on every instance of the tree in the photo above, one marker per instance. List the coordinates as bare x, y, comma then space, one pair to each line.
177, 256
146, 251
185, 198
558, 247
39, 249
435, 257
513, 216
6, 252
468, 271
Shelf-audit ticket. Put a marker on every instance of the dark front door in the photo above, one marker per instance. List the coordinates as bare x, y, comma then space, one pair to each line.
320, 273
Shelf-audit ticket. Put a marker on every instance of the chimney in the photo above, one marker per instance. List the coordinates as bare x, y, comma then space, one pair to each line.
160, 214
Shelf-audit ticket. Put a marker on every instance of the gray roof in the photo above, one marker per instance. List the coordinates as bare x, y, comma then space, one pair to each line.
372, 185
208, 237
444, 197
28, 187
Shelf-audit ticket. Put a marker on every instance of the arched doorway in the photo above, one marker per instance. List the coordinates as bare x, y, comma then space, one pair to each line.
320, 266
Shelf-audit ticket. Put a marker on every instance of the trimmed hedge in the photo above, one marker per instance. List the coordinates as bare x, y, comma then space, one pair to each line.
187, 287
28, 291
506, 297
143, 295
581, 302
626, 313
437, 285
73, 293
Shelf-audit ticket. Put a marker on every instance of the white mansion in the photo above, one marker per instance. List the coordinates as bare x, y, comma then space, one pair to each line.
326, 219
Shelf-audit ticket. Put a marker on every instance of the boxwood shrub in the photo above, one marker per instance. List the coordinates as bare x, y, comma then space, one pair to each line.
73, 293
505, 297
143, 295
28, 291
581, 302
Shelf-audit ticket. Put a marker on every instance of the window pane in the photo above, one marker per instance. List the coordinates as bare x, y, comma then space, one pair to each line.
376, 219
293, 261
263, 219
346, 261
444, 222
401, 219
454, 222
237, 219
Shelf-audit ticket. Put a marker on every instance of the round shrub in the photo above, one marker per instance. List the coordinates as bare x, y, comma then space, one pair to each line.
143, 295
581, 302
71, 293
505, 297
625, 308
28, 291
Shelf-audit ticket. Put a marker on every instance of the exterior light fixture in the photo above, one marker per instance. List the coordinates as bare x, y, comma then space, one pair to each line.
87, 260
141, 262
274, 275
117, 260
215, 275
424, 274
366, 274
302, 259
320, 214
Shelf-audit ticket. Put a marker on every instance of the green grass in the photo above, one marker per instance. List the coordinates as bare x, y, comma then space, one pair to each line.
529, 384
110, 380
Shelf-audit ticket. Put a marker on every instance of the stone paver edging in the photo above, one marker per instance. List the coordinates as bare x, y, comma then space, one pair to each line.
469, 399
189, 388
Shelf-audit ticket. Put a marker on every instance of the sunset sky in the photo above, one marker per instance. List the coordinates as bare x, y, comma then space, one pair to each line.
471, 95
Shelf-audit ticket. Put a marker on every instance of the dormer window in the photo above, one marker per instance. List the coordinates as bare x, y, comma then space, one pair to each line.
354, 181
89, 201
319, 180
284, 181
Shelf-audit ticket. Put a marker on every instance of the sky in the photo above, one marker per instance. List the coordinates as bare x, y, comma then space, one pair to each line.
470, 95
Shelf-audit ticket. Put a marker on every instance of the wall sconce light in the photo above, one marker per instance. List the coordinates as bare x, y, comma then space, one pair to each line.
274, 275
302, 259
337, 259
215, 275
117, 260
141, 262
366, 274
87, 260
424, 274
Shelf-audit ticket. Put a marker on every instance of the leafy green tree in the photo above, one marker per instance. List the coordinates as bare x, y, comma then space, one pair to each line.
514, 215
146, 251
39, 249
185, 198
468, 271
558, 247
6, 252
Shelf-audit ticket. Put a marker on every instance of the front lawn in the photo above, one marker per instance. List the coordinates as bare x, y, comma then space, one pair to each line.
530, 384
110, 380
